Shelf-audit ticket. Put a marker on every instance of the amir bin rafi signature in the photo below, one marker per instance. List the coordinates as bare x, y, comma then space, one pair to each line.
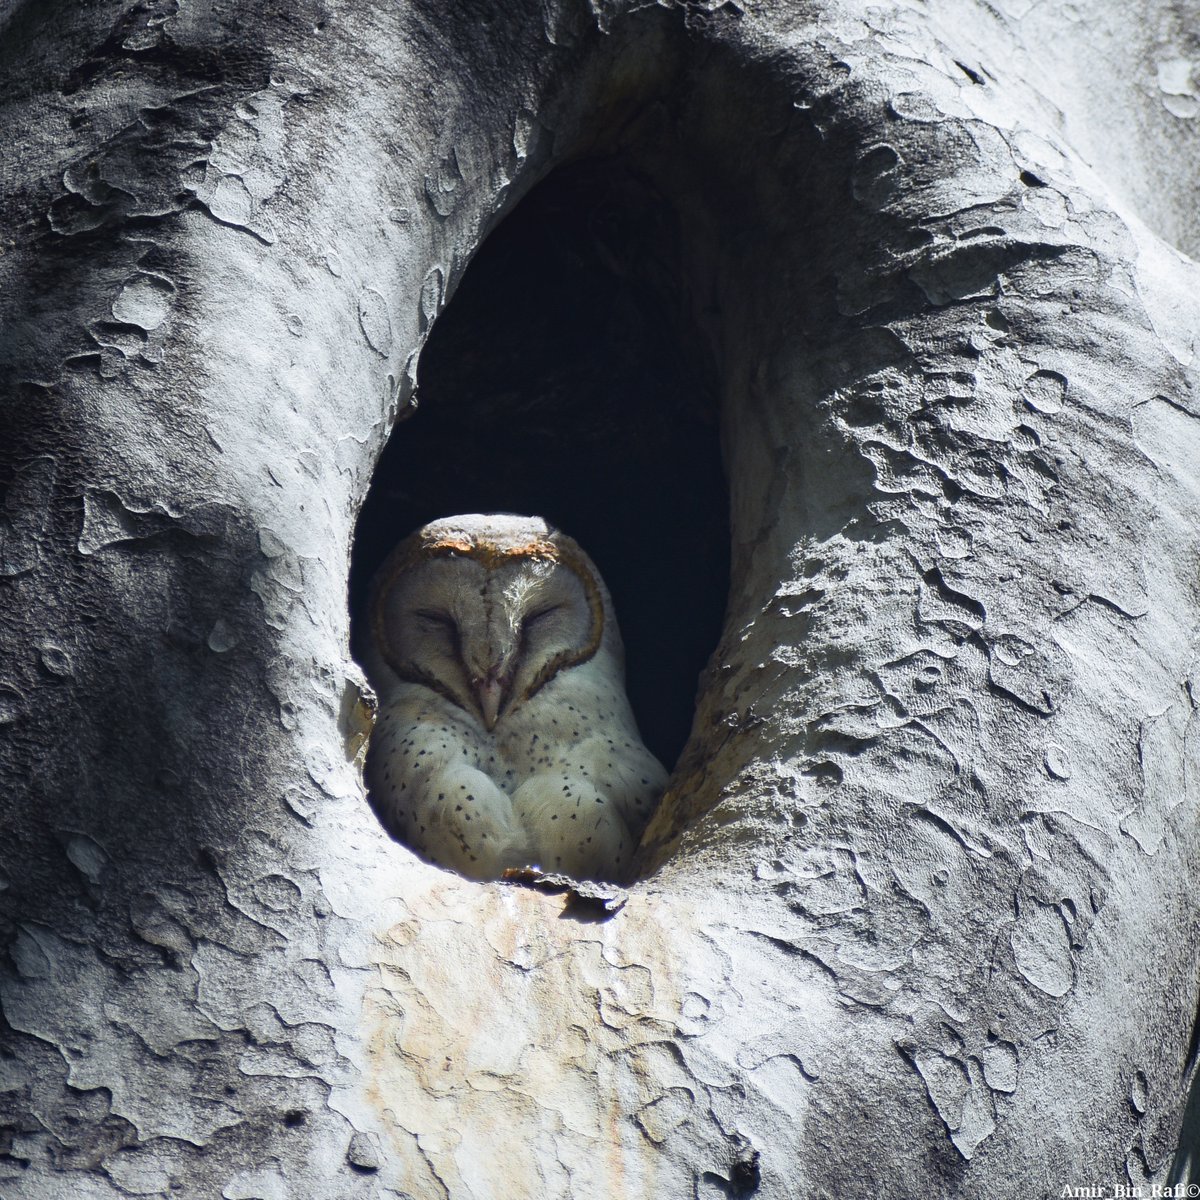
1132, 1191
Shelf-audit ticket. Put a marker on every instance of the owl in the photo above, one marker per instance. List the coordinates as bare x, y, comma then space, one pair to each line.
505, 738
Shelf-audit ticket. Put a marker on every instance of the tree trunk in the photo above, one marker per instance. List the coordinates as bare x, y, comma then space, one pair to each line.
916, 916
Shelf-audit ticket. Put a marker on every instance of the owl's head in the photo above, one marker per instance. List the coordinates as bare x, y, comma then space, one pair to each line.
486, 609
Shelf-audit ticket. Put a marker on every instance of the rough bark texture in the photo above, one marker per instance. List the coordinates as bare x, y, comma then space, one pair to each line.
917, 916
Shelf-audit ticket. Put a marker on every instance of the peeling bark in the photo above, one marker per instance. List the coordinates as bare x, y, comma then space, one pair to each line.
916, 914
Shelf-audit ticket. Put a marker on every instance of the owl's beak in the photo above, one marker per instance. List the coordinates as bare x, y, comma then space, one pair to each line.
491, 696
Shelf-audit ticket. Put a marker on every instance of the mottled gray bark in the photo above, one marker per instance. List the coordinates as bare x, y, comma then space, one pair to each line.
917, 917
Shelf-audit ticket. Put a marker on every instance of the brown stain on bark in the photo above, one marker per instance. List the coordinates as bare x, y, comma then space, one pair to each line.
502, 1030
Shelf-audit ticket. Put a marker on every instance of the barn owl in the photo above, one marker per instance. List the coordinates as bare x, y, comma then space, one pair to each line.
505, 738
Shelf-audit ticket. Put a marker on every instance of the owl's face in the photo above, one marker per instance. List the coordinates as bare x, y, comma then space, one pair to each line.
486, 619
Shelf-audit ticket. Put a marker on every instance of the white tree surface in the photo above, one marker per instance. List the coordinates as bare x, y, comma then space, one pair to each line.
918, 914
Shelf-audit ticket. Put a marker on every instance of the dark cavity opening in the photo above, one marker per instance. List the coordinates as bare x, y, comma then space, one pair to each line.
566, 379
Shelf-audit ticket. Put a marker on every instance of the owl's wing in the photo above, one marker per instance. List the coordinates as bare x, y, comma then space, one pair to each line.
575, 827
637, 785
585, 807
460, 819
425, 779
621, 769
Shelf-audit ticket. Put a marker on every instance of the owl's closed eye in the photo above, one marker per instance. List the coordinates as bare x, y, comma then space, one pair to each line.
505, 738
